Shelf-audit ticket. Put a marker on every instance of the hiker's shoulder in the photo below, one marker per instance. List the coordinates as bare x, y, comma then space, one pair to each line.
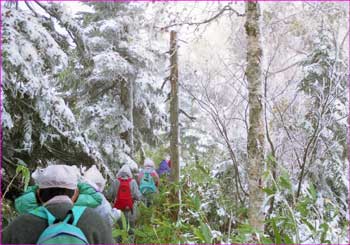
90, 214
26, 219
93, 225
24, 223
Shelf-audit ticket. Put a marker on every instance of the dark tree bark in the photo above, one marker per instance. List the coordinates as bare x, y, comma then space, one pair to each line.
174, 109
127, 99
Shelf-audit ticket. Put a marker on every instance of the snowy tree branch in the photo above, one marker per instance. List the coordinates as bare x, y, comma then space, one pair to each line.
72, 28
221, 12
192, 118
30, 7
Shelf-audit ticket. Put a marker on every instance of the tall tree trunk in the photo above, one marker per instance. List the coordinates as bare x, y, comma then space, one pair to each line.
256, 135
127, 99
174, 110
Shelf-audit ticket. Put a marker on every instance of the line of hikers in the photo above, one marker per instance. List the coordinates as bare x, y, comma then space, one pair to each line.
67, 207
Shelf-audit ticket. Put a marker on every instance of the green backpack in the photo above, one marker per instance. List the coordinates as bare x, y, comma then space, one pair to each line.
147, 184
61, 231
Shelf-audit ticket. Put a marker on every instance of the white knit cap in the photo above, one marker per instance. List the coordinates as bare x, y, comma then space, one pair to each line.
57, 176
148, 163
94, 176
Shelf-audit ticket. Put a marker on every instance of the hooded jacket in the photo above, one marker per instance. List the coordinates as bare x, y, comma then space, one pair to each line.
124, 173
27, 228
149, 168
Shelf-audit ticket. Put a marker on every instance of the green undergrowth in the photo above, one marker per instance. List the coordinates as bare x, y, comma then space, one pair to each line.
206, 215
160, 223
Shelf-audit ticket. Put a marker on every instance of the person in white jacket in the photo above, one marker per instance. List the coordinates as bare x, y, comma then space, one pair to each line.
93, 177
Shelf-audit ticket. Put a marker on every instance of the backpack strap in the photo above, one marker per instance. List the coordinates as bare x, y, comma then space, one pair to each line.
77, 213
123, 179
44, 213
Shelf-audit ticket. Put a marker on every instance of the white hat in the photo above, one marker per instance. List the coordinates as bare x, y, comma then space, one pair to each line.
94, 176
125, 170
57, 176
148, 163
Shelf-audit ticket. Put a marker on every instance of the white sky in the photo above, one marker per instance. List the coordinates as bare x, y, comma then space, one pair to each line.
75, 6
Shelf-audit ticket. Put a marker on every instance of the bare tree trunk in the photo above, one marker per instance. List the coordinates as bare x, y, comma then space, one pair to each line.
127, 99
256, 135
272, 148
174, 110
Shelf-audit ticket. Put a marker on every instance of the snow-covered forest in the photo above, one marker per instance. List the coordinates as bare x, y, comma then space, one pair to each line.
250, 100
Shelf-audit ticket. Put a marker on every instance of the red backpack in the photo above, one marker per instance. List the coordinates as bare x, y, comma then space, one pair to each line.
124, 199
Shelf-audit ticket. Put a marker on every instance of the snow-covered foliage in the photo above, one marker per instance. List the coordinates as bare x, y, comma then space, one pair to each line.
86, 88
36, 117
121, 96
50, 91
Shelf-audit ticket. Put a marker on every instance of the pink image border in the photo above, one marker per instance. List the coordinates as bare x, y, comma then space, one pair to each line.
155, 1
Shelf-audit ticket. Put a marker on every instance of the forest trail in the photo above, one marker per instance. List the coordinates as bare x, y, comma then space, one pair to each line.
250, 99
159, 223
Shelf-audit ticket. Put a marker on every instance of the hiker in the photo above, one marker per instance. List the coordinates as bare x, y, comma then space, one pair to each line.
164, 166
124, 191
57, 192
148, 181
94, 177
88, 197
